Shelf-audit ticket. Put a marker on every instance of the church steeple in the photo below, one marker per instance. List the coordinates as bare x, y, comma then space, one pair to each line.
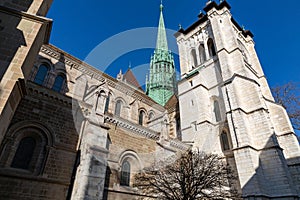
162, 83
161, 42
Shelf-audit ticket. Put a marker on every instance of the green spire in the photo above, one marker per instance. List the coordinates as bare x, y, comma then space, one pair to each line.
161, 83
161, 42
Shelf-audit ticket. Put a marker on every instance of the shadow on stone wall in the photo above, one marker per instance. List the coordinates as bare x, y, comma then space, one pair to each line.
274, 177
106, 183
17, 5
50, 114
11, 37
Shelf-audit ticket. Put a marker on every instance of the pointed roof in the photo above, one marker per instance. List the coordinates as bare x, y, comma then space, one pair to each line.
161, 42
171, 103
130, 78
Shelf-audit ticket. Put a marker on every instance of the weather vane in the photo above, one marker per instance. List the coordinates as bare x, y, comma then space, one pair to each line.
161, 5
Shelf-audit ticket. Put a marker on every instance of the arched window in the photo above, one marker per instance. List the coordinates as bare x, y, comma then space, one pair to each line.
217, 111
58, 83
211, 47
194, 58
202, 53
24, 153
125, 174
224, 141
141, 117
26, 147
41, 74
100, 96
151, 116
118, 108
107, 103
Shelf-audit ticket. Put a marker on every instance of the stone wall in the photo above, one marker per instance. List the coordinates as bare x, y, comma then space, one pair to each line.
22, 34
50, 113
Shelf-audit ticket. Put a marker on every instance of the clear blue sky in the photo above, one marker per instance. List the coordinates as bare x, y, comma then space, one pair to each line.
79, 26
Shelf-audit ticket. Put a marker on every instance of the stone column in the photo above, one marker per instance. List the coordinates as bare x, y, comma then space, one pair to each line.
91, 172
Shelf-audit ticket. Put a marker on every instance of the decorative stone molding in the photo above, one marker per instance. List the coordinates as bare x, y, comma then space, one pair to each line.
179, 145
34, 89
137, 129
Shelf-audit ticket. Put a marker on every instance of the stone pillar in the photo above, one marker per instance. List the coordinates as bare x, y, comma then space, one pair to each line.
91, 172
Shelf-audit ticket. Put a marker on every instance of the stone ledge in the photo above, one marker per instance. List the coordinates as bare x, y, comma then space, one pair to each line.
11, 173
139, 130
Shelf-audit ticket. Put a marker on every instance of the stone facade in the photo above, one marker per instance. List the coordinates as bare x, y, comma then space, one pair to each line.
107, 137
70, 131
49, 172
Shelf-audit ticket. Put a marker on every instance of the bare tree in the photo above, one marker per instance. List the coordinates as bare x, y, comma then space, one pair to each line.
288, 95
195, 175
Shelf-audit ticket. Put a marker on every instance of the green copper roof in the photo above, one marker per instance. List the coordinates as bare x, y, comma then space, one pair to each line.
161, 42
161, 83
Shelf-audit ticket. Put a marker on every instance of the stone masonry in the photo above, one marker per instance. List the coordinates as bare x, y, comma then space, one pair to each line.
227, 93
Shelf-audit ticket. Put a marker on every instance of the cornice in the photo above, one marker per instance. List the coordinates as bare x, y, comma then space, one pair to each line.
133, 128
179, 145
145, 132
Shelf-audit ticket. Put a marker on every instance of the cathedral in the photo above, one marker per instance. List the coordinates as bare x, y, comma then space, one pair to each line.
71, 131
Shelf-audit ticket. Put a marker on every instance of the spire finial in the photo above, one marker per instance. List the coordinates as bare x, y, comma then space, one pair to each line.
161, 5
179, 26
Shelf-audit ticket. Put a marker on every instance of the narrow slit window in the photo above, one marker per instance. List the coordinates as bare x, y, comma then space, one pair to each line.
202, 54
107, 103
118, 108
225, 141
217, 111
141, 118
194, 58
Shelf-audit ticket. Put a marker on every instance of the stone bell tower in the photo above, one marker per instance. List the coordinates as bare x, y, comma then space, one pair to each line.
226, 106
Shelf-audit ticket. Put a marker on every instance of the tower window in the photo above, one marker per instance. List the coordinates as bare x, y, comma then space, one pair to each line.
194, 58
141, 117
24, 153
217, 111
211, 48
202, 53
41, 74
118, 108
125, 174
192, 102
224, 141
58, 83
